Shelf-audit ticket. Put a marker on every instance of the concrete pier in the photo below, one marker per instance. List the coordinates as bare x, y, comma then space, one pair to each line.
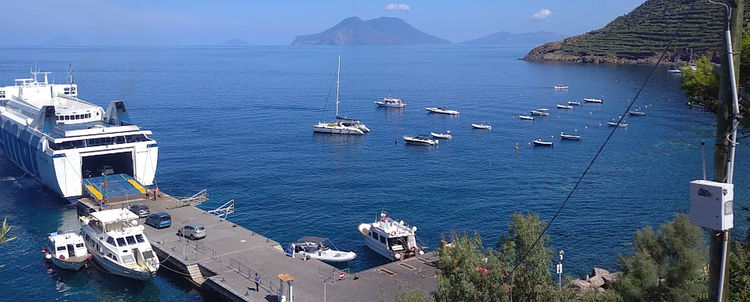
226, 262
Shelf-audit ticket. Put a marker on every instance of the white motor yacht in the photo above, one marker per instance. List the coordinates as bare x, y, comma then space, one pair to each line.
319, 248
390, 102
118, 245
392, 239
420, 139
66, 250
441, 110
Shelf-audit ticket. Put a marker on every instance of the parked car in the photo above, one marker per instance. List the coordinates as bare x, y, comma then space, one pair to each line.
159, 220
192, 231
140, 209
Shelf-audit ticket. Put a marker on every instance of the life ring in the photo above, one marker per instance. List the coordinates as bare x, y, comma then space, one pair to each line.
393, 233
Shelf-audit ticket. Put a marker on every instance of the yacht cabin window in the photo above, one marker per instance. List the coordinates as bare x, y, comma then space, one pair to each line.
60, 248
139, 238
79, 244
130, 239
120, 241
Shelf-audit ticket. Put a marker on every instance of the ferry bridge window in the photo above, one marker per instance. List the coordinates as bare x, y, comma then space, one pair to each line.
131, 240
120, 241
78, 116
119, 140
136, 138
2, 93
139, 237
67, 117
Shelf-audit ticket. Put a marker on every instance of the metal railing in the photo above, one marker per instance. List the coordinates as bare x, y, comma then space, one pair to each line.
194, 200
264, 283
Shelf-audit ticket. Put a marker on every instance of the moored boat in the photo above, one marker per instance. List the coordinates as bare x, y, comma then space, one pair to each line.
390, 102
66, 250
483, 125
559, 106
637, 113
441, 110
616, 124
564, 136
392, 239
593, 100
420, 139
446, 135
526, 117
319, 248
539, 113
561, 86
574, 103
540, 142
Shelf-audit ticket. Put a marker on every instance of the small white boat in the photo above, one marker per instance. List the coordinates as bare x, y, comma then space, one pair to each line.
564, 136
637, 113
420, 139
674, 69
318, 248
539, 113
542, 109
390, 102
540, 142
526, 117
66, 250
441, 110
593, 100
561, 86
564, 106
446, 135
615, 124
483, 125
574, 103
390, 238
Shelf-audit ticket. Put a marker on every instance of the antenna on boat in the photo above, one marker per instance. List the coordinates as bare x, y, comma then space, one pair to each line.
338, 76
703, 154
70, 73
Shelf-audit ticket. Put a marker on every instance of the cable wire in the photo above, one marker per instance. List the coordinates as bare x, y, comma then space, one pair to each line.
611, 133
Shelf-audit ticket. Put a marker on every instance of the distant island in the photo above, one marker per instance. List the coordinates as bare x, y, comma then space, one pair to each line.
505, 37
235, 42
641, 35
380, 31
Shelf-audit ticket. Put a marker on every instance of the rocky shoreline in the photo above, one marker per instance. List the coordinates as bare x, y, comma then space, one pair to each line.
552, 52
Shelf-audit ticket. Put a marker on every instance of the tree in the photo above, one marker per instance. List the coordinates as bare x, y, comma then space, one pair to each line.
702, 84
469, 272
739, 272
4, 233
666, 266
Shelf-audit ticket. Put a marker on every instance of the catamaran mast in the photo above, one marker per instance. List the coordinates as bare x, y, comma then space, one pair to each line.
338, 75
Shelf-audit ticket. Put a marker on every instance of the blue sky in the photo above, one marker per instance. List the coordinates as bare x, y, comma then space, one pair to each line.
174, 22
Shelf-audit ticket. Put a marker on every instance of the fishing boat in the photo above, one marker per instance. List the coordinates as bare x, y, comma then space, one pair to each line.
540, 142
526, 117
66, 250
539, 113
342, 125
564, 136
593, 100
574, 103
420, 139
390, 102
446, 135
54, 136
559, 106
392, 239
118, 245
319, 248
441, 110
483, 125
561, 87
637, 113
616, 124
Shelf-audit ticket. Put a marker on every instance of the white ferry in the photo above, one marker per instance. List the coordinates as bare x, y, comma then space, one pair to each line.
118, 245
51, 134
391, 239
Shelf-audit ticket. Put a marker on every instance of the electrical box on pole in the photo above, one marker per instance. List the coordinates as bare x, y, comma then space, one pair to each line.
711, 204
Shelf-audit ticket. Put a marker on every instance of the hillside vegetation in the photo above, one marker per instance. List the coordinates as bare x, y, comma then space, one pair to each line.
641, 35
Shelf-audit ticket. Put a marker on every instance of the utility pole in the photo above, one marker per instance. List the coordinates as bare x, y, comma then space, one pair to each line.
723, 151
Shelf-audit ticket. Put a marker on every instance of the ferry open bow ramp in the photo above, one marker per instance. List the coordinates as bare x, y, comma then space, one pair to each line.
225, 263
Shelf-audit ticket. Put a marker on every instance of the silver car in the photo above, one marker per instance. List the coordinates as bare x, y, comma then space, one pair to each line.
192, 230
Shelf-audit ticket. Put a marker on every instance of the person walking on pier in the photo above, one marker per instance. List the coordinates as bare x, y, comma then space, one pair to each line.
257, 282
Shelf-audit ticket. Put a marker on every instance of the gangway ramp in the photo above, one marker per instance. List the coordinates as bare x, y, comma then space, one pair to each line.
113, 187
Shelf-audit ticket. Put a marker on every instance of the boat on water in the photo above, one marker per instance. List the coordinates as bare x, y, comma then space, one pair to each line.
392, 239
574, 103
420, 139
526, 117
636, 113
673, 69
118, 245
319, 248
559, 106
564, 136
390, 102
542, 109
561, 86
593, 100
342, 125
540, 142
616, 124
441, 110
446, 135
483, 125
539, 113
66, 250
54, 136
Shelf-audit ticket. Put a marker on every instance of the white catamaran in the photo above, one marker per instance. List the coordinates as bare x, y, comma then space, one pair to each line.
342, 125
51, 134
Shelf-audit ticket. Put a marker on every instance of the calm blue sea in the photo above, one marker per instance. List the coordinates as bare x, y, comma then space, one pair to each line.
238, 121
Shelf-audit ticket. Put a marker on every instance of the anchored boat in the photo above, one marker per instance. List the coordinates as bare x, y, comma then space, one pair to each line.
342, 125
392, 239
559, 106
319, 248
539, 113
593, 100
636, 113
564, 136
526, 117
574, 103
390, 102
561, 86
540, 142
63, 141
66, 250
420, 139
118, 245
446, 135
617, 124
483, 125
441, 110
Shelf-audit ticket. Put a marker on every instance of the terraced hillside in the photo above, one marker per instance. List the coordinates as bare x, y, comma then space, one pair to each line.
640, 36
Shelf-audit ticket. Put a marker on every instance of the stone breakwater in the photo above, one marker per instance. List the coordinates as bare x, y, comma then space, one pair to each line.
599, 280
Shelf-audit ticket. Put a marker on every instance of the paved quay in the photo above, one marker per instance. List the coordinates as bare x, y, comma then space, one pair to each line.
225, 263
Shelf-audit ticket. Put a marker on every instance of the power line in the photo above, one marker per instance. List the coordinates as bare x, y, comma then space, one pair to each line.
611, 133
